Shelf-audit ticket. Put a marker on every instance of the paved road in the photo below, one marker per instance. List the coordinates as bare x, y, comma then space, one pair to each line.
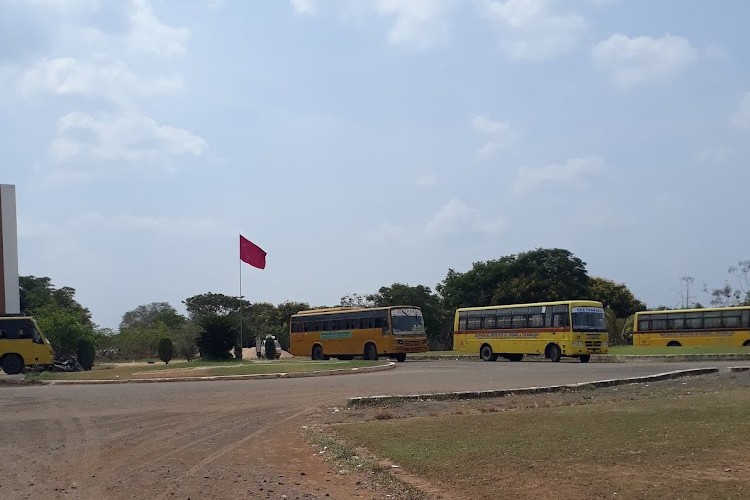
223, 439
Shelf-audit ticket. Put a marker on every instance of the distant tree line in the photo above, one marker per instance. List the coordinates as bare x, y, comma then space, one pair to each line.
218, 326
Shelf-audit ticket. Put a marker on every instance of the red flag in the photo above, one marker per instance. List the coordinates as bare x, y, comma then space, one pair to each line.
252, 254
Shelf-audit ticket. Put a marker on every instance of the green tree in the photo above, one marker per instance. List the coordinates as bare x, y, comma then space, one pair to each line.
213, 304
217, 337
147, 315
166, 350
185, 339
615, 296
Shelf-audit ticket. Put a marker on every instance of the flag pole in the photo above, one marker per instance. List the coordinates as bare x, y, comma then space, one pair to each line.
241, 344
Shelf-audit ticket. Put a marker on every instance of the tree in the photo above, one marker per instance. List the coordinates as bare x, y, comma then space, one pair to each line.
185, 340
166, 349
147, 315
217, 337
534, 276
355, 300
615, 296
213, 304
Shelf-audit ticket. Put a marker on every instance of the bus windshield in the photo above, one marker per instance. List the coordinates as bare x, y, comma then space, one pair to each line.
589, 319
407, 321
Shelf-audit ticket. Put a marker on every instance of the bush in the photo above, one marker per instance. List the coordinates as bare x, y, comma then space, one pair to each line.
86, 353
166, 350
217, 337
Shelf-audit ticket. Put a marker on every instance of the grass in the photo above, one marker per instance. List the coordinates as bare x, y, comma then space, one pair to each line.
198, 368
629, 350
676, 445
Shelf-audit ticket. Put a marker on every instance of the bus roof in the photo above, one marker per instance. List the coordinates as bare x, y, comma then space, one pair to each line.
695, 309
589, 303
334, 310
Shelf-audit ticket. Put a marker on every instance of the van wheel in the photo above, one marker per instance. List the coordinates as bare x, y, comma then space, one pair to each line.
554, 352
12, 364
584, 358
371, 352
317, 353
486, 353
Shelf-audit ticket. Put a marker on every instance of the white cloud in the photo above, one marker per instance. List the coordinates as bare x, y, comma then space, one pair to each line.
130, 138
427, 180
150, 35
741, 117
68, 76
307, 7
639, 60
532, 29
421, 23
717, 155
497, 134
457, 216
576, 173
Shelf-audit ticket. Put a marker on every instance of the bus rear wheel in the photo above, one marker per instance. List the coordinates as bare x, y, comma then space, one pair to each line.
746, 344
584, 358
317, 353
401, 357
12, 364
486, 353
674, 343
371, 352
554, 353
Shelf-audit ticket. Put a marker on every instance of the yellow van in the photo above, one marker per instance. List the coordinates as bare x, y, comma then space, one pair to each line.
23, 344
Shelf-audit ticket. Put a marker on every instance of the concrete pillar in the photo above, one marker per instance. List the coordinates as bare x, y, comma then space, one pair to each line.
10, 300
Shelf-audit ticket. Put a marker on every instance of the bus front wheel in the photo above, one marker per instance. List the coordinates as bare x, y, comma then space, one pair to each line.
317, 353
486, 353
371, 352
401, 357
554, 353
674, 343
12, 364
584, 358
746, 344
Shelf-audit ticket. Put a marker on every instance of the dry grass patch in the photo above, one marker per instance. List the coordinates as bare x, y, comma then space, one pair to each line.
674, 439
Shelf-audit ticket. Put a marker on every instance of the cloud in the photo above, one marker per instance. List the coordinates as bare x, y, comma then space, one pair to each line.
420, 23
307, 7
640, 60
457, 216
427, 180
741, 117
68, 76
149, 35
498, 136
532, 29
129, 138
575, 173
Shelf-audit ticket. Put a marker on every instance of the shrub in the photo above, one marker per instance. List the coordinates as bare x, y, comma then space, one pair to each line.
217, 337
166, 350
86, 353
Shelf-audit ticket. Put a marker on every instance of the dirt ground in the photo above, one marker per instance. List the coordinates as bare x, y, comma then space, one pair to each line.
216, 440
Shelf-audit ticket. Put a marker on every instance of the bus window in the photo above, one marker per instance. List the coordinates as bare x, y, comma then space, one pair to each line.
712, 319
474, 321
519, 317
675, 321
504, 318
730, 319
536, 317
694, 320
462, 318
489, 320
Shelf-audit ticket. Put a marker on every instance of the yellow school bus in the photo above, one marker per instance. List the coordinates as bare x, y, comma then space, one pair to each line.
345, 332
23, 344
572, 328
716, 326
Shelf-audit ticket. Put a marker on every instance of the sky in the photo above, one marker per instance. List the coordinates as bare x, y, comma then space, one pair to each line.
363, 143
